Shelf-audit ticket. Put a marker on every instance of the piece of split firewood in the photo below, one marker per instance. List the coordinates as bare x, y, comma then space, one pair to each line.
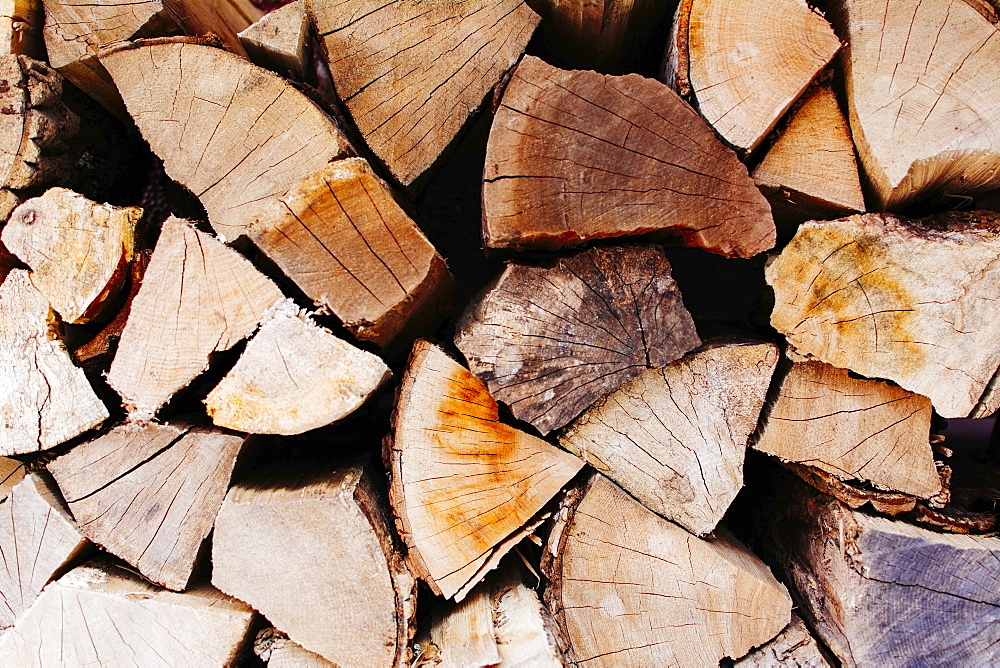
277, 650
795, 646
312, 550
549, 341
465, 487
675, 437
280, 41
149, 494
21, 28
575, 155
11, 472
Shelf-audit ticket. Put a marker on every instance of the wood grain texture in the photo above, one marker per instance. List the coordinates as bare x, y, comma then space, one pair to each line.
549, 341
149, 494
575, 156
795, 647
464, 485
277, 650
910, 301
411, 73
11, 472
21, 28
280, 41
675, 437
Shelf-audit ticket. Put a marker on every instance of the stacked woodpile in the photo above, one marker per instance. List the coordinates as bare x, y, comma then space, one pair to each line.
498, 332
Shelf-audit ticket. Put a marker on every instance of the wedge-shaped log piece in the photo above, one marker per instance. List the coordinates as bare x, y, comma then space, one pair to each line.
149, 494
78, 250
21, 28
795, 646
11, 473
312, 550
854, 428
280, 41
464, 485
234, 134
913, 301
549, 341
576, 155
278, 651
675, 437
345, 241
197, 297
39, 541
294, 376
44, 399
631, 588
411, 73
922, 97
103, 615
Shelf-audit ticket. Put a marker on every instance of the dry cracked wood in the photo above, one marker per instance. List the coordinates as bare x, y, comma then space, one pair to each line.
795, 646
922, 97
853, 428
675, 437
149, 494
197, 297
312, 550
887, 297
550, 341
411, 73
293, 376
234, 134
576, 155
465, 487
280, 41
21, 28
78, 250
631, 588
44, 399
346, 242
103, 614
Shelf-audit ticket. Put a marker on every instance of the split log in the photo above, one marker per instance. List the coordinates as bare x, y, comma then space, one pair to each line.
280, 42
276, 650
9, 200
103, 614
854, 495
38, 540
795, 646
461, 634
412, 73
631, 588
465, 487
294, 376
550, 341
312, 550
11, 473
78, 250
921, 96
346, 242
853, 428
184, 311
675, 437
575, 156
912, 301
237, 144
44, 399
21, 28
149, 494
748, 62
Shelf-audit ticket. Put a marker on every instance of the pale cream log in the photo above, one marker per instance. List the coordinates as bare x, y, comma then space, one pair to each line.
675, 437
277, 650
795, 646
101, 614
630, 588
465, 487
21, 28
280, 41
44, 399
922, 97
910, 301
235, 135
525, 631
411, 73
149, 494
78, 250
461, 634
197, 297
853, 428
312, 550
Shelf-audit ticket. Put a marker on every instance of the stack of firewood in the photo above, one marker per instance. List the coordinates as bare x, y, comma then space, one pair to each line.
418, 332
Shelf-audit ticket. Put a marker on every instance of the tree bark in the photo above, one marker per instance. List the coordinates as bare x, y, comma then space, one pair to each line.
795, 646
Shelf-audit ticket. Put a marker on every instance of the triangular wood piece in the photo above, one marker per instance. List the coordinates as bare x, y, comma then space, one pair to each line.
463, 483
239, 143
149, 494
280, 41
197, 297
795, 646
411, 72
44, 399
277, 650
912, 301
549, 341
11, 473
576, 155
675, 437
630, 588
922, 96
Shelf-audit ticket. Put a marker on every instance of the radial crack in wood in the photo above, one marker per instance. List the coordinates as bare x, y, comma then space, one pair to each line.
550, 341
280, 41
795, 646
465, 487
